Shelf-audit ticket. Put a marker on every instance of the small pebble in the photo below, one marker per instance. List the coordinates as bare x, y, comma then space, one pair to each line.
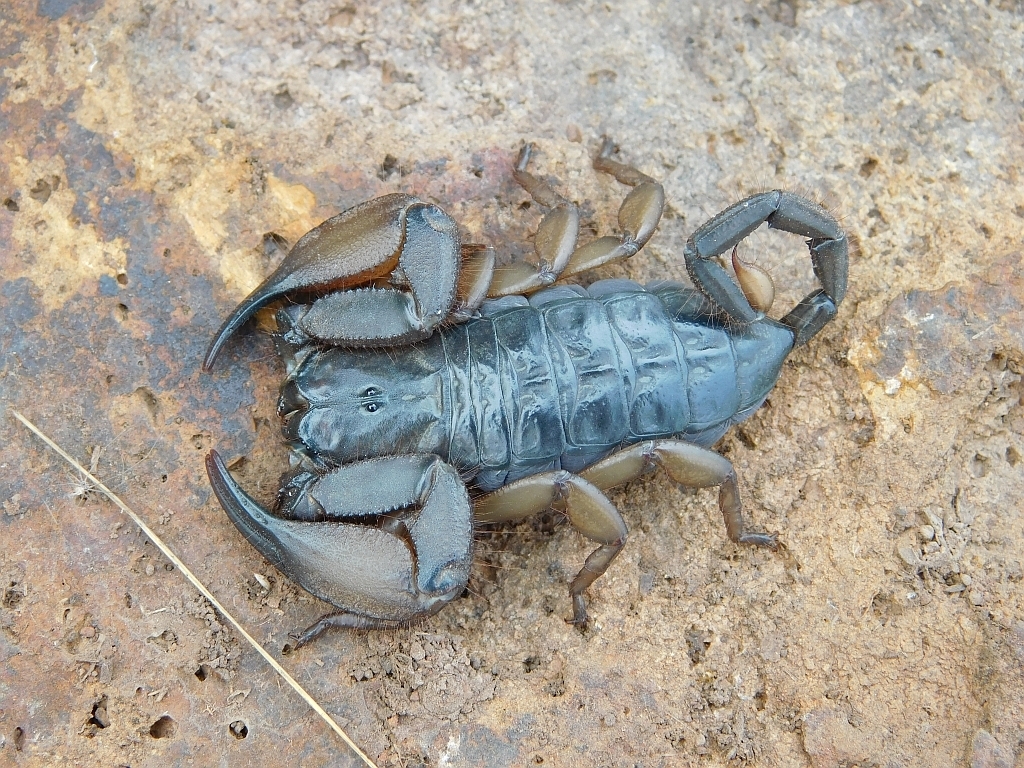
646, 583
927, 533
989, 753
909, 555
87, 631
966, 580
150, 570
976, 597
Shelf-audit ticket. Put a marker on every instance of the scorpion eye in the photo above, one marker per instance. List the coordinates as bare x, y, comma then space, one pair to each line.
371, 392
371, 407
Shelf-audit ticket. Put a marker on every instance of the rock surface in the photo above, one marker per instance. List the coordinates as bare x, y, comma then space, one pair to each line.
157, 157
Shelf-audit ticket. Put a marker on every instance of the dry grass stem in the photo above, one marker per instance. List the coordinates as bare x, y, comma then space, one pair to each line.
101, 488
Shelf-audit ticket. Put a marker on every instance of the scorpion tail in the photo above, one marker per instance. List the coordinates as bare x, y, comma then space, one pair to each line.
828, 245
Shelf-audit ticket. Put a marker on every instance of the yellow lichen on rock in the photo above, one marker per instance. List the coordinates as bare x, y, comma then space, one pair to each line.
295, 204
66, 253
31, 77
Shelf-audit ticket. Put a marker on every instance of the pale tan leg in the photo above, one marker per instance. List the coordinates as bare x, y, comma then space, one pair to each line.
587, 508
688, 465
624, 174
556, 237
639, 215
555, 240
475, 277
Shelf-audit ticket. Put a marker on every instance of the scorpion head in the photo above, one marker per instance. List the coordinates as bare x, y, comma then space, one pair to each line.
338, 404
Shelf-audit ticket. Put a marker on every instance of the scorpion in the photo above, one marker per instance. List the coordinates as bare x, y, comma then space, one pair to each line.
419, 370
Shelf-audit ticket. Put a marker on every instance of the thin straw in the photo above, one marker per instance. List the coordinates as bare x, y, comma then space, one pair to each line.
200, 586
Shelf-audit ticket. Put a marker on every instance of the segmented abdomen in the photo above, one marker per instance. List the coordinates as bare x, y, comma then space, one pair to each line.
564, 379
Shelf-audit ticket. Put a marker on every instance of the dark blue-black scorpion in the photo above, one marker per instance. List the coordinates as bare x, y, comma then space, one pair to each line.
420, 371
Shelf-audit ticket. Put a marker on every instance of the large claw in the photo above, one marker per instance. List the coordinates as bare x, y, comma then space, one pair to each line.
781, 210
410, 243
385, 552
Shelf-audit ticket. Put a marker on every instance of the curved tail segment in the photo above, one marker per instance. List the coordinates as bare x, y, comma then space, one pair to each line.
828, 245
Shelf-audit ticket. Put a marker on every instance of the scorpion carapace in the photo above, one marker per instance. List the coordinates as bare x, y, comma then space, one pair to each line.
424, 374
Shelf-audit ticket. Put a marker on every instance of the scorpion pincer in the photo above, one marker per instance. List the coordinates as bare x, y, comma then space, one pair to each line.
422, 372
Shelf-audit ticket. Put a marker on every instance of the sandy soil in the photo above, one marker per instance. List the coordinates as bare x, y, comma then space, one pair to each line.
155, 156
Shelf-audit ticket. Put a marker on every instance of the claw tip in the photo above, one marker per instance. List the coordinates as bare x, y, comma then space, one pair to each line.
213, 461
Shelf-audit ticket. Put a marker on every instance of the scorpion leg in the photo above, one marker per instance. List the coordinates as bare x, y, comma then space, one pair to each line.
587, 508
639, 215
474, 279
554, 242
385, 552
828, 245
556, 238
689, 465
397, 238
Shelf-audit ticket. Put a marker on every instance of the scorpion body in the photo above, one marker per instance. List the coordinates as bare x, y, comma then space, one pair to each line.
423, 372
558, 381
